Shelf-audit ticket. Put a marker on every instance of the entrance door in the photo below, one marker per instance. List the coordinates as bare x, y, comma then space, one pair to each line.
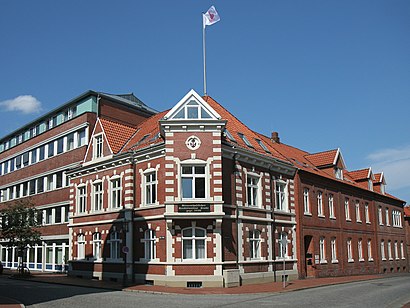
309, 257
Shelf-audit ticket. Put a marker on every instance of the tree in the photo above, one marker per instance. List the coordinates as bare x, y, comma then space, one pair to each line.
20, 227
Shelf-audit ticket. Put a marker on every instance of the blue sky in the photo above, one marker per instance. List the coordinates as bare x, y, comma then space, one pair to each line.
324, 74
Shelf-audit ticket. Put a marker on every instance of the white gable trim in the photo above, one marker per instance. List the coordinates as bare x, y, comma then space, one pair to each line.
192, 94
91, 141
337, 156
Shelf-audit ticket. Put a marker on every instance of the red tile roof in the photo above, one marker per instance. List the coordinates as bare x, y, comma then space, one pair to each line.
407, 211
321, 159
117, 134
361, 174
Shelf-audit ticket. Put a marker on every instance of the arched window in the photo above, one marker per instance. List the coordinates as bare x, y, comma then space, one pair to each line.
193, 243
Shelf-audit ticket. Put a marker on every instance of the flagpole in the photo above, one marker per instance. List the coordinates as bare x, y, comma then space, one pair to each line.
204, 51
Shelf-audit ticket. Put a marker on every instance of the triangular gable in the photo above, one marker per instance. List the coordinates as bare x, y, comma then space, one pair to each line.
339, 161
192, 107
106, 149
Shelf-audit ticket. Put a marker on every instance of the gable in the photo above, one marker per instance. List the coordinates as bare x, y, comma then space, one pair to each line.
98, 144
192, 107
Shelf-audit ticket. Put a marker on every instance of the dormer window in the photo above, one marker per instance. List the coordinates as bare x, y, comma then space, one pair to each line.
243, 137
192, 110
383, 189
339, 173
262, 145
371, 185
229, 135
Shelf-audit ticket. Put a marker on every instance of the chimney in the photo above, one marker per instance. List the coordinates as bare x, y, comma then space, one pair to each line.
275, 137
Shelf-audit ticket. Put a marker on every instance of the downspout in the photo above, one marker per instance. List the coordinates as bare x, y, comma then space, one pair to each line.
236, 210
273, 235
134, 191
98, 105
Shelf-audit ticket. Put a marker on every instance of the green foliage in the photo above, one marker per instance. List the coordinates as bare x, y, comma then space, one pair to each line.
19, 225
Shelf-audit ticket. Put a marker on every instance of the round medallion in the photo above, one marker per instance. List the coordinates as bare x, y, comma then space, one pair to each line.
193, 143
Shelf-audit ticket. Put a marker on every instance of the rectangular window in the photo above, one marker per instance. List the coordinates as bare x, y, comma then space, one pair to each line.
193, 182
42, 154
150, 188
283, 245
50, 182
97, 245
333, 250
25, 159
98, 196
319, 204
81, 138
149, 244
396, 250
81, 246
366, 213
70, 141
49, 216
59, 179
115, 193
358, 217
82, 199
98, 146
50, 148
33, 156
380, 216
281, 200
389, 252
306, 204
32, 187
245, 140
60, 145
402, 250
58, 215
382, 250
114, 243
40, 185
347, 209
255, 242
25, 189
331, 207
18, 162
252, 190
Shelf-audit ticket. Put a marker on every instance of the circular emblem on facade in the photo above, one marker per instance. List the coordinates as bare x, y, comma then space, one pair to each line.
193, 143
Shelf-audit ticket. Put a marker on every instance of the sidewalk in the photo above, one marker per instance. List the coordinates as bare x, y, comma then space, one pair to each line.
270, 287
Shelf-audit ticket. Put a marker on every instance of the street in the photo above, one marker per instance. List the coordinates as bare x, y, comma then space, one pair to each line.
386, 292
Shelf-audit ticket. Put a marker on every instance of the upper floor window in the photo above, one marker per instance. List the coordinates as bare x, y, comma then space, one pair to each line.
383, 189
252, 190
349, 250
193, 182
370, 185
281, 198
255, 242
331, 207
98, 196
380, 215
151, 188
115, 193
369, 250
333, 249
347, 209
382, 250
319, 204
360, 250
149, 244
81, 199
387, 218
358, 217
306, 204
366, 212
396, 218
98, 146
193, 243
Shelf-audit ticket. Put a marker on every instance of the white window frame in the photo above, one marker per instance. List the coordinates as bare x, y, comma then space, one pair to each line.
115, 193
306, 203
402, 250
333, 249
369, 250
349, 251
389, 250
382, 250
81, 246
194, 239
281, 193
283, 254
255, 244
114, 242
194, 176
97, 245
358, 216
151, 186
380, 211
253, 191
331, 207
150, 241
98, 151
98, 196
360, 250
320, 211
81, 199
396, 250
387, 217
347, 209
367, 213
322, 250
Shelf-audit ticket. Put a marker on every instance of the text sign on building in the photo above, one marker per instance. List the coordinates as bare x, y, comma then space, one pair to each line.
194, 208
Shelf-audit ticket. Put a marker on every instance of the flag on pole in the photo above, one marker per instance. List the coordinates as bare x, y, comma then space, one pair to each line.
210, 17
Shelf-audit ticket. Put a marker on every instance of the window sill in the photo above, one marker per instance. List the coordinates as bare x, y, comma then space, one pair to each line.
390, 259
323, 262
368, 222
351, 261
333, 218
307, 214
321, 216
359, 221
370, 260
383, 259
348, 219
335, 261
361, 260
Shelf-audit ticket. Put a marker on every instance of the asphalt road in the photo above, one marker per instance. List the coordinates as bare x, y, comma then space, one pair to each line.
387, 292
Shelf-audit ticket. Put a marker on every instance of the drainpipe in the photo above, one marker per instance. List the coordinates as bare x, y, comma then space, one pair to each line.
236, 210
134, 191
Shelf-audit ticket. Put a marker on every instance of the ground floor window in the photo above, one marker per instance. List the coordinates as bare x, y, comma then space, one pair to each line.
255, 241
193, 243
149, 244
283, 245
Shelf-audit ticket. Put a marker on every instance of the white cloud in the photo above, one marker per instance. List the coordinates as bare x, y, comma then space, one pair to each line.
395, 163
25, 103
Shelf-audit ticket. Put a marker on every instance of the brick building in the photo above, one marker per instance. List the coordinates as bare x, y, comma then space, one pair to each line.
192, 197
34, 161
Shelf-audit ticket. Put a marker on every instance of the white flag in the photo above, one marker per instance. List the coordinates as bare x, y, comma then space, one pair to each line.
210, 17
